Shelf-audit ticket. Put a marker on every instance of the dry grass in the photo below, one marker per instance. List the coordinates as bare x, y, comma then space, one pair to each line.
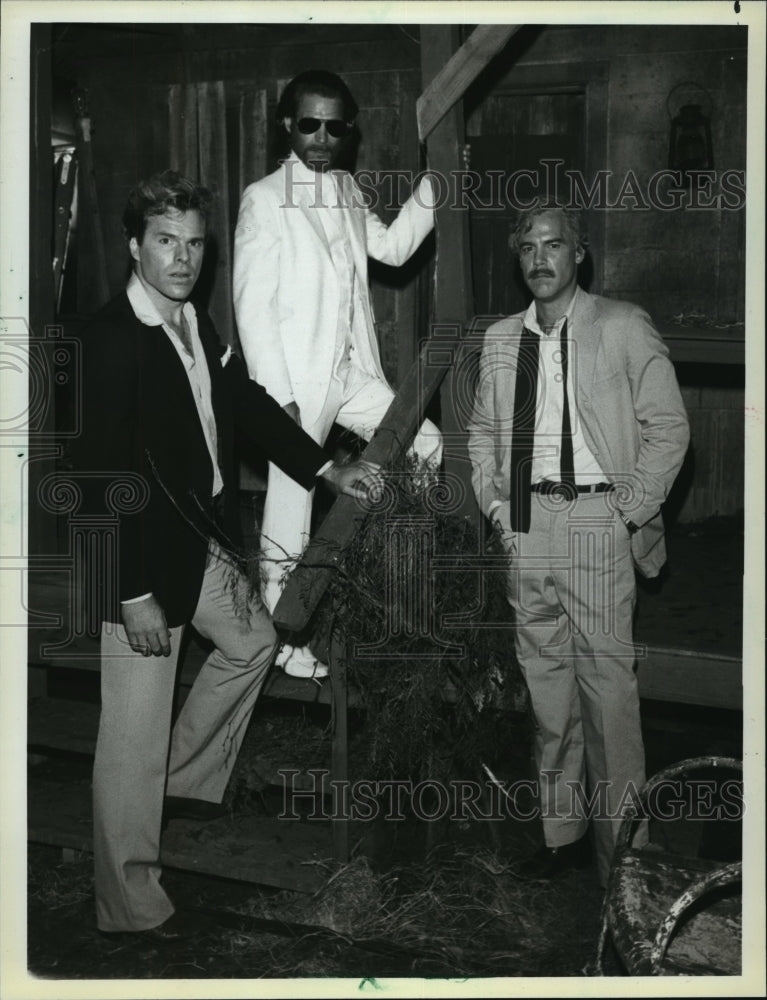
69, 883
464, 912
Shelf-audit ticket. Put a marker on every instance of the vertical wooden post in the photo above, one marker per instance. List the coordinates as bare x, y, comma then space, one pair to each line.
89, 202
212, 171
252, 166
339, 754
406, 298
453, 292
42, 451
252, 139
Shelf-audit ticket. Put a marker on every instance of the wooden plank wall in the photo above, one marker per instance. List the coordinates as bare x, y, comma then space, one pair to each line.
713, 472
686, 261
670, 262
130, 92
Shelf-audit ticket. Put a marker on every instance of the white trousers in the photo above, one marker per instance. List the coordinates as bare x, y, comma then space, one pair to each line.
357, 402
572, 587
137, 759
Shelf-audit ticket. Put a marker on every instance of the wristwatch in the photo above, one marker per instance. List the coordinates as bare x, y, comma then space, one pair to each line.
630, 526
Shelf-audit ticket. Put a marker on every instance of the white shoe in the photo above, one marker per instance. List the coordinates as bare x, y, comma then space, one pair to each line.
299, 661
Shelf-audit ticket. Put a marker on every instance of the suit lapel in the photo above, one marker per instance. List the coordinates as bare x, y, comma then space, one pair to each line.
355, 222
178, 387
305, 197
171, 363
587, 334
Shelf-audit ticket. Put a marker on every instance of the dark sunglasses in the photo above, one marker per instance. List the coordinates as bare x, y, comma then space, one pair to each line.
335, 126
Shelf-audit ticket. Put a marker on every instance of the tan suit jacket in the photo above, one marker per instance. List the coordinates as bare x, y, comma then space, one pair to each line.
628, 402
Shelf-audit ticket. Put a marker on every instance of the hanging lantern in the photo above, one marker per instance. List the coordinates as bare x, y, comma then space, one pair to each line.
690, 145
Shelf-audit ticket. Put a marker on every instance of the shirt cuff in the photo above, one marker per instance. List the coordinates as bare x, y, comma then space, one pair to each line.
426, 193
324, 469
493, 507
135, 600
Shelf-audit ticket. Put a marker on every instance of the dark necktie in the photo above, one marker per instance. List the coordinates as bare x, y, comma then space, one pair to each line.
566, 463
523, 430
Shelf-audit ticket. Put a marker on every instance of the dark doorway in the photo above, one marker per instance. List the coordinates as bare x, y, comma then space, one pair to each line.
527, 143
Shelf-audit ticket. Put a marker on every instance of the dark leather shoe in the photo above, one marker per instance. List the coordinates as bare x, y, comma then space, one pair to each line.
181, 808
180, 926
551, 862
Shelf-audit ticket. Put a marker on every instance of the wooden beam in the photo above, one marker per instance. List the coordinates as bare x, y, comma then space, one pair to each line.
90, 215
691, 677
212, 170
309, 580
41, 448
453, 289
265, 850
339, 752
450, 83
453, 294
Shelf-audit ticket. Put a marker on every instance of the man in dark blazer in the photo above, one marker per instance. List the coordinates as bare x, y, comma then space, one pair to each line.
577, 435
161, 403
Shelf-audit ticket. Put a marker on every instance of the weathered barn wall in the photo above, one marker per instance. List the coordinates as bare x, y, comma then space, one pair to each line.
129, 94
682, 262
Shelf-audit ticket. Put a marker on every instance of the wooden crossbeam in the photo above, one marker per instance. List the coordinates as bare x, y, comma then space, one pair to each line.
450, 84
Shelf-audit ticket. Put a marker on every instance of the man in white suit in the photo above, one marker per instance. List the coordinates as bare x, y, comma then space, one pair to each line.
303, 308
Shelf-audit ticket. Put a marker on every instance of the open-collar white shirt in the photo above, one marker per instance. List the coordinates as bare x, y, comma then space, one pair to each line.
549, 404
195, 365
549, 407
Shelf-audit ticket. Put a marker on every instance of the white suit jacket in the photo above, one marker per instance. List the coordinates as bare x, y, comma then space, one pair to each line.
286, 290
628, 403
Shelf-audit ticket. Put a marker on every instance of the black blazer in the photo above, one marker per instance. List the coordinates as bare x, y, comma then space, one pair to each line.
140, 419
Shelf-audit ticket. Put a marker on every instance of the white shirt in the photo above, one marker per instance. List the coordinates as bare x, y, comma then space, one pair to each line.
195, 365
549, 407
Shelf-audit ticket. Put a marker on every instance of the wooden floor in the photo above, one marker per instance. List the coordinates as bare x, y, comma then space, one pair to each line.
267, 850
691, 620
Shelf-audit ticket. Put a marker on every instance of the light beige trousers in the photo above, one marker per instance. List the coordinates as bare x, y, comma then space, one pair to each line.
572, 587
137, 759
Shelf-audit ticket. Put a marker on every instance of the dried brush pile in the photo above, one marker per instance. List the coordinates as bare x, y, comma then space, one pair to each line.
420, 600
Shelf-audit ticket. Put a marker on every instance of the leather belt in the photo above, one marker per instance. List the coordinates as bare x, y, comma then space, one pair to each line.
549, 488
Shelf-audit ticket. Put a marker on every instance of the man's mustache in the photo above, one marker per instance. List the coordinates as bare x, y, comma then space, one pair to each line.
541, 273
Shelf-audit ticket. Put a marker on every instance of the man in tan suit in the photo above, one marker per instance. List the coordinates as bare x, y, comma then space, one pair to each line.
577, 434
303, 308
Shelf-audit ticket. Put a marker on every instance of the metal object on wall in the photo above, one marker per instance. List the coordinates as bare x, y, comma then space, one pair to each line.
690, 144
